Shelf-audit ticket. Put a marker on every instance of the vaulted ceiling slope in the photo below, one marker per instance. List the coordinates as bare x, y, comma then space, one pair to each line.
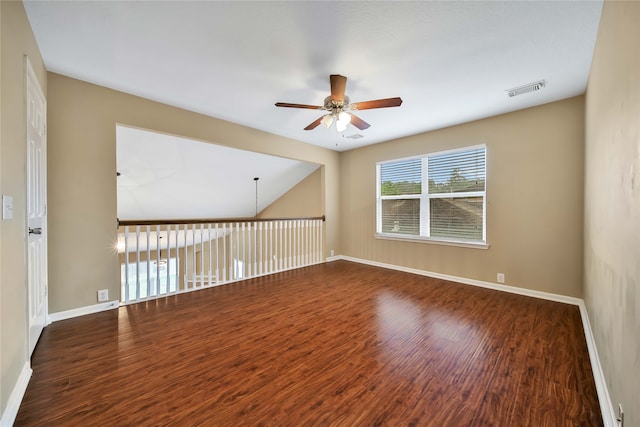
451, 62
169, 177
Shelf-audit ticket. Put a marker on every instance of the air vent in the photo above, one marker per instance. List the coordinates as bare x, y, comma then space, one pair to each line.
520, 90
354, 136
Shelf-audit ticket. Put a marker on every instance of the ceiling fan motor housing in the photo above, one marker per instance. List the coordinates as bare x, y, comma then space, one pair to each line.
335, 106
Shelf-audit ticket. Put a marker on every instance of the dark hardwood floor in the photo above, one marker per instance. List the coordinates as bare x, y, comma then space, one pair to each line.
333, 344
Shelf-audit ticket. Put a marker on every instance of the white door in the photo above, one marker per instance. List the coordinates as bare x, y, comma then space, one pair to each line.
36, 207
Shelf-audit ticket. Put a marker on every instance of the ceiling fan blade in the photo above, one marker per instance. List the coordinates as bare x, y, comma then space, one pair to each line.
338, 86
359, 123
378, 103
310, 107
314, 124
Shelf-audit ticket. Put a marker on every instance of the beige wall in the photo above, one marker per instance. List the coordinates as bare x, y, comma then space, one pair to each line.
612, 203
82, 178
534, 200
303, 200
17, 40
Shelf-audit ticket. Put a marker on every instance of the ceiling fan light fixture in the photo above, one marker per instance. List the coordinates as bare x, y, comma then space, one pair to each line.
343, 120
327, 120
344, 117
341, 126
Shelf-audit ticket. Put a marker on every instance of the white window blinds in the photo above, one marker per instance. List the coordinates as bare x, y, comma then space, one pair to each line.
460, 171
450, 207
403, 177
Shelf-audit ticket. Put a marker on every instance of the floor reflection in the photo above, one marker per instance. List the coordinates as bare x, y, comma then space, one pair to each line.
410, 331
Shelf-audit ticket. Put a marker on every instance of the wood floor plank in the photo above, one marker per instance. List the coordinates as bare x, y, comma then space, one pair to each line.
333, 344
499, 401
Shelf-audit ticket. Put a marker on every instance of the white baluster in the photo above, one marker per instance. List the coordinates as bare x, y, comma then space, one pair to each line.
255, 249
270, 263
186, 257
158, 249
169, 291
224, 252
201, 233
217, 259
148, 241
261, 259
138, 292
126, 264
210, 256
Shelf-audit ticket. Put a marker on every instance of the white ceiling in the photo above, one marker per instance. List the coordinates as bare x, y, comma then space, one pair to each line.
451, 62
167, 177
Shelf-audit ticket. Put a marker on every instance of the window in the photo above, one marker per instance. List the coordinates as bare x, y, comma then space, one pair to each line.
439, 196
154, 278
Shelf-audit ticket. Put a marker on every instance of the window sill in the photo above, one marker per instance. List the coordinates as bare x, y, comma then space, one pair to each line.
417, 239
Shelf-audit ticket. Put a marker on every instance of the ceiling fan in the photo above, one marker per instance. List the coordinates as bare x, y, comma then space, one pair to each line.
337, 104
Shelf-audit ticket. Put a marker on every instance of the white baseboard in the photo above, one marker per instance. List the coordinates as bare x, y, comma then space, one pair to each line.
15, 398
608, 411
498, 287
81, 311
606, 406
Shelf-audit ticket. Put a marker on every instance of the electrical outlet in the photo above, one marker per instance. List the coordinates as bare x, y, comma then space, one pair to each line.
103, 295
331, 252
620, 416
500, 278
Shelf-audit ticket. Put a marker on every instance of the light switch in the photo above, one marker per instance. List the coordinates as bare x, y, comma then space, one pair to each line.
7, 207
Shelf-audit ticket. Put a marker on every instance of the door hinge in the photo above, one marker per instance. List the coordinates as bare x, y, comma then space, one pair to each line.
44, 130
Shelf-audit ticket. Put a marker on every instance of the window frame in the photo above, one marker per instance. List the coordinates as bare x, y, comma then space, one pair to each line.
425, 201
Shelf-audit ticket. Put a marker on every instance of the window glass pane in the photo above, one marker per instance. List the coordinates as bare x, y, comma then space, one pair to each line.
457, 172
459, 217
401, 216
400, 178
165, 287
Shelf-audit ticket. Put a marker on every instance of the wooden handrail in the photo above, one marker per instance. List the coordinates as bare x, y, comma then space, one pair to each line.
207, 220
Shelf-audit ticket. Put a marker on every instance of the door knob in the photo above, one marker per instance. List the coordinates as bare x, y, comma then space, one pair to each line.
35, 230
